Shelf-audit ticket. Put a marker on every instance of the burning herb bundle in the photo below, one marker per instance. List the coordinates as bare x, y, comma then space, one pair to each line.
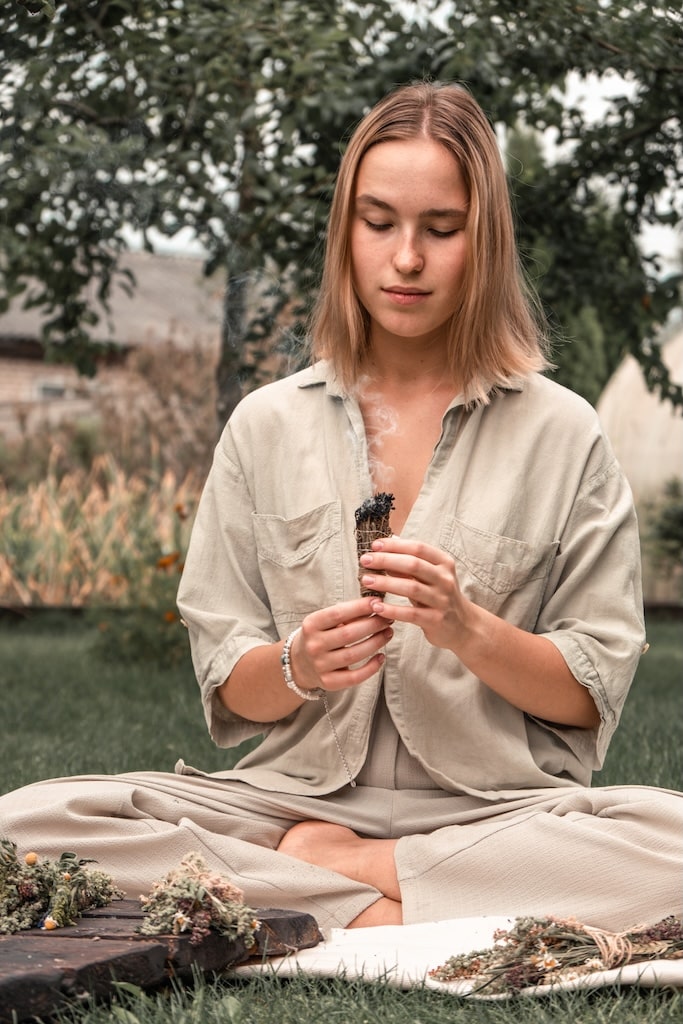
47, 893
192, 898
372, 523
546, 951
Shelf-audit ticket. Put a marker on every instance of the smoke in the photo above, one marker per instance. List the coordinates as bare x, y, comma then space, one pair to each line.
381, 423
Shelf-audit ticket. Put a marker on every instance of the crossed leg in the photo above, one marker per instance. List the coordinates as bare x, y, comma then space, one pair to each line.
340, 849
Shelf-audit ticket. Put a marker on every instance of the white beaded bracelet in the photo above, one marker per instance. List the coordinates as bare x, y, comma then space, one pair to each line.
287, 671
317, 694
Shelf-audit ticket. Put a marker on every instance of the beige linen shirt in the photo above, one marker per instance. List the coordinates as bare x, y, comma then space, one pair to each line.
525, 493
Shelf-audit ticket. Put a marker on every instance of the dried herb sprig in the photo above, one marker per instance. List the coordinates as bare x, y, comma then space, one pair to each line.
547, 951
192, 898
48, 893
372, 522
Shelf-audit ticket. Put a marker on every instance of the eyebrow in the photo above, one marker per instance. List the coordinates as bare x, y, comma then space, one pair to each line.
369, 200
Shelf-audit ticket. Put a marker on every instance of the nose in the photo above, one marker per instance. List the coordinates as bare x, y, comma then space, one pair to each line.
408, 259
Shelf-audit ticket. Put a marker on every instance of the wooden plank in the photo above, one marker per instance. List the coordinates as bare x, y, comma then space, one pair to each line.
40, 971
280, 931
39, 974
283, 931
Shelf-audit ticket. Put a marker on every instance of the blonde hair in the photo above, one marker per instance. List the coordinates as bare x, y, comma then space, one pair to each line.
494, 337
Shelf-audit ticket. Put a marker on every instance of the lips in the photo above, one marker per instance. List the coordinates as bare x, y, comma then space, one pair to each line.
405, 296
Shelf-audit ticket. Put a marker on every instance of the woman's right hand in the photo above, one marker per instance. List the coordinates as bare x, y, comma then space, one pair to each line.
335, 648
340, 646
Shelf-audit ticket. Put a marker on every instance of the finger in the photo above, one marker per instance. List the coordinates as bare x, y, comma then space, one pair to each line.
418, 593
354, 654
353, 664
437, 572
415, 548
350, 634
326, 640
346, 678
398, 565
401, 612
339, 614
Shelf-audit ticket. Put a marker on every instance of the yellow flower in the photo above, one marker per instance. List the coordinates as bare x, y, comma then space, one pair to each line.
49, 924
180, 922
31, 859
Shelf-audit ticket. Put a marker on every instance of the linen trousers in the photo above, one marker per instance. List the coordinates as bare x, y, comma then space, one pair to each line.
611, 857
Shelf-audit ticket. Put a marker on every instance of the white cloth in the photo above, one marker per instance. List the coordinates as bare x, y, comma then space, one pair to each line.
403, 956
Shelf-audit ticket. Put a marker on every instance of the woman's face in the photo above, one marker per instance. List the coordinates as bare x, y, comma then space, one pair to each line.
408, 239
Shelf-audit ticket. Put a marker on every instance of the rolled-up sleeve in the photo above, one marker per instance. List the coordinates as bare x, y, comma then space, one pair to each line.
221, 596
593, 612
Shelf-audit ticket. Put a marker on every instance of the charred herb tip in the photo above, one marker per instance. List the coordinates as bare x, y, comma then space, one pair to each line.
377, 507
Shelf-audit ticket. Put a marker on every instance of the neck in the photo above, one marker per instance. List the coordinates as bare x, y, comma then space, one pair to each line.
422, 374
418, 362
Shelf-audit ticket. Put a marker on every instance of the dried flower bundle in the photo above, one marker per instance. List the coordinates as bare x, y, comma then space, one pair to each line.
192, 898
47, 893
372, 522
547, 951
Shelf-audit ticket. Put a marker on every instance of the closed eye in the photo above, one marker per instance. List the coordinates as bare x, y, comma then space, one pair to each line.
377, 227
374, 226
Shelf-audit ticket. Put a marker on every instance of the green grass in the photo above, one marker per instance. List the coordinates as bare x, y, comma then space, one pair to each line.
305, 1000
648, 744
65, 713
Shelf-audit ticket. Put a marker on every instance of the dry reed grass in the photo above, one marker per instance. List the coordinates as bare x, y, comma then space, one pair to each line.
91, 536
95, 511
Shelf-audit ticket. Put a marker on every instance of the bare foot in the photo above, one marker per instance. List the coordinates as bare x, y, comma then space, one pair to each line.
383, 911
340, 849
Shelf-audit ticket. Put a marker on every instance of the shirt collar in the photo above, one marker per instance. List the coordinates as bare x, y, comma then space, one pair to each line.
322, 372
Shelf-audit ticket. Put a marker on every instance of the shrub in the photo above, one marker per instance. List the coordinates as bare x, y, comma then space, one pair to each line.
664, 532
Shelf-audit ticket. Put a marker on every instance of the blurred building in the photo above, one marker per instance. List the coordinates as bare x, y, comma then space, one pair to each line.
647, 436
172, 302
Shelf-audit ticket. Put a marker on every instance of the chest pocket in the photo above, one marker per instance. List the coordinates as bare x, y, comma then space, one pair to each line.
301, 561
502, 574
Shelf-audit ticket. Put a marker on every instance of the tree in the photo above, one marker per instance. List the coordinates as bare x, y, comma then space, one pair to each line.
584, 259
226, 118
222, 117
580, 215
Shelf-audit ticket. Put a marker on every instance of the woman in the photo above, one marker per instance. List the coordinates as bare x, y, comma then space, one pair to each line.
428, 751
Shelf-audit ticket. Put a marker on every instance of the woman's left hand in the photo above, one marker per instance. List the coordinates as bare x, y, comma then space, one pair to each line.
427, 577
524, 668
